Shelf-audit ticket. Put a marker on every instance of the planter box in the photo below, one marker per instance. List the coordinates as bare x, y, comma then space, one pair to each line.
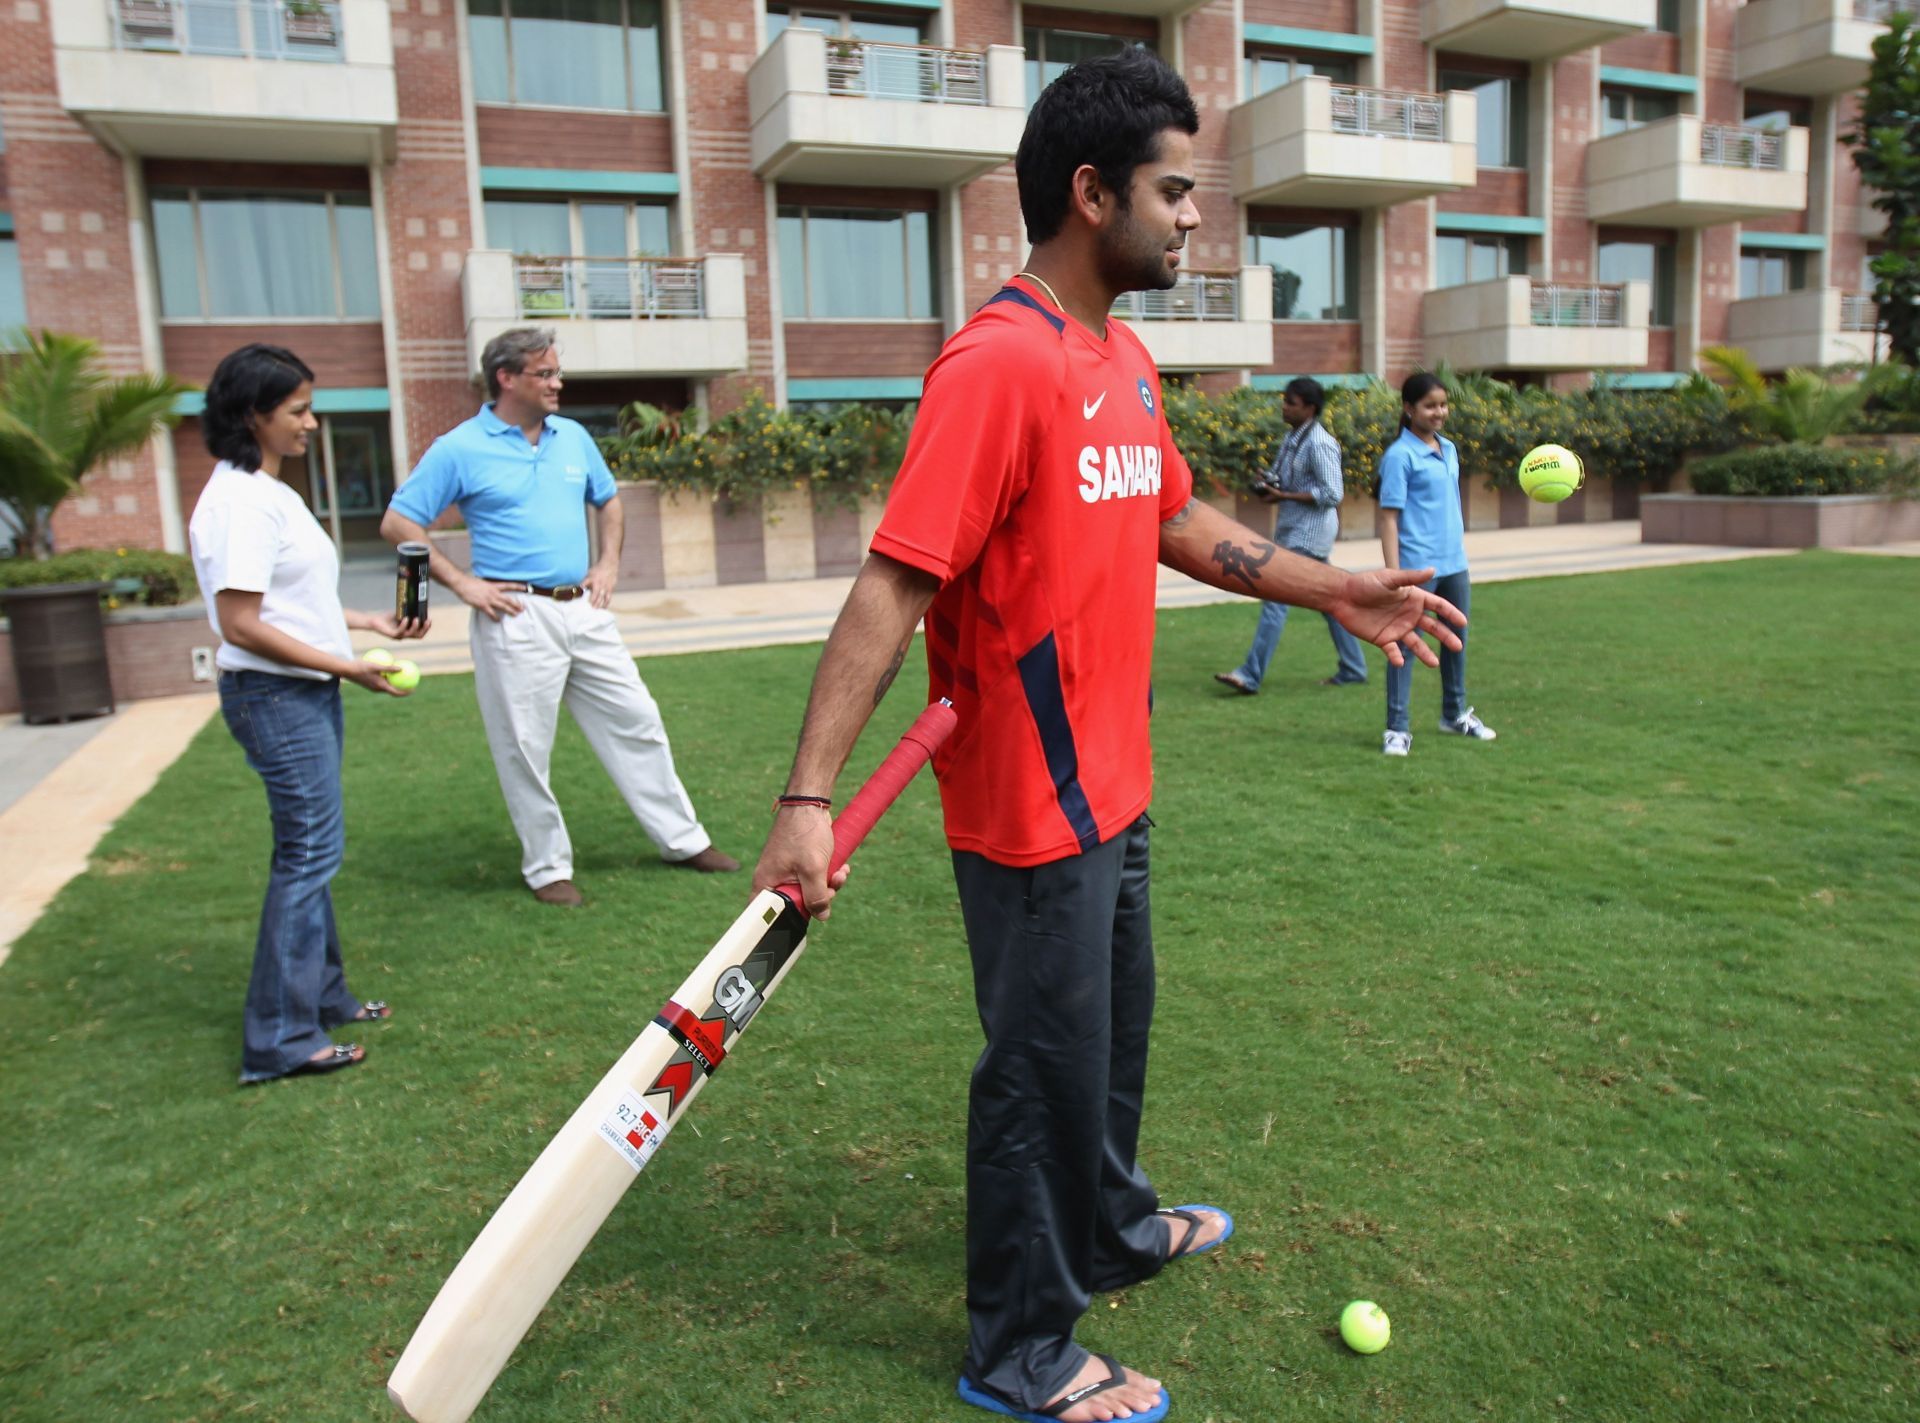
150, 653
1800, 521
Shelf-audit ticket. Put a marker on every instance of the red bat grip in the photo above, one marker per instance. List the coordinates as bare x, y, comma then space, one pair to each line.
882, 788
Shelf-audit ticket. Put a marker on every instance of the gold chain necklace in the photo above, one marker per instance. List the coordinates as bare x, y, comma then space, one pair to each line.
1043, 287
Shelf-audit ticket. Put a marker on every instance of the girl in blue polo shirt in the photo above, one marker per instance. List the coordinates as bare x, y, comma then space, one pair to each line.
1420, 526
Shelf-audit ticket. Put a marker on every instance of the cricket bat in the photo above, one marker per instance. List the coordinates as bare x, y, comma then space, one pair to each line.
521, 1255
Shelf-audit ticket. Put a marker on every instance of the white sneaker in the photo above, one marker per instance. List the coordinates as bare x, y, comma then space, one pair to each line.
1396, 743
1468, 725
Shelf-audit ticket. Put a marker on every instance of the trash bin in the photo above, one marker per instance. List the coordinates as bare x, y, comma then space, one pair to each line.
59, 651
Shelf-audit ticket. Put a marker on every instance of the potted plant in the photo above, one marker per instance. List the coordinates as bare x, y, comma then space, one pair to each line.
61, 416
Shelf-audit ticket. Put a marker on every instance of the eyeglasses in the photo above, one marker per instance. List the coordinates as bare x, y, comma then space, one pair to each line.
550, 374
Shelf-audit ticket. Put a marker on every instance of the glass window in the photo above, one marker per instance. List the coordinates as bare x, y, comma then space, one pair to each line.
13, 292
1649, 262
1622, 109
545, 227
1316, 270
581, 54
848, 24
1777, 115
1463, 257
362, 466
1270, 69
232, 255
1501, 114
855, 263
1667, 17
1769, 273
1051, 53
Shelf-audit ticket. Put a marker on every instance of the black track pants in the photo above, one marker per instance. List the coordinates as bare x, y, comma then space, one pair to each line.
1057, 1205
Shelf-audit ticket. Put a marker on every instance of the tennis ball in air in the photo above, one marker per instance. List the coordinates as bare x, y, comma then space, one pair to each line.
1549, 473
1363, 1324
405, 675
379, 657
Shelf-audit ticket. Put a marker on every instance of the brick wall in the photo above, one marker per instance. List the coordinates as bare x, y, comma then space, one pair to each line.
511, 138
819, 349
344, 356
68, 197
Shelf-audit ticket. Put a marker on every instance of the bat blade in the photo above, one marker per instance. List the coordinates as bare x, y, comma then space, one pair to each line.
519, 1258
513, 1267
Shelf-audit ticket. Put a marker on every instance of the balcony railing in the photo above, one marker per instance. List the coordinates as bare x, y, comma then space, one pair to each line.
610, 287
248, 29
1739, 146
1578, 304
868, 70
1389, 113
1197, 296
1884, 10
1859, 312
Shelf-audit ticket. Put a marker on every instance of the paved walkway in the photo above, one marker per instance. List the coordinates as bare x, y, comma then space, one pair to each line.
62, 788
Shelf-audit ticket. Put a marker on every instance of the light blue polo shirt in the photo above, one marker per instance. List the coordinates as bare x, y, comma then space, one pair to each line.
1424, 485
524, 504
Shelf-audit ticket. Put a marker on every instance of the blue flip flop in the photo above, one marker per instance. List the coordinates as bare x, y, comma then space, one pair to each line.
971, 1392
1186, 1213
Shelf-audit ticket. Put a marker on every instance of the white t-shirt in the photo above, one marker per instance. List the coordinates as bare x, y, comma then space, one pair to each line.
252, 534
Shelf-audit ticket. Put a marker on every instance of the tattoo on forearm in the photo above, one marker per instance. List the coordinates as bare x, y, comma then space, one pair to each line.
893, 669
1186, 513
1237, 562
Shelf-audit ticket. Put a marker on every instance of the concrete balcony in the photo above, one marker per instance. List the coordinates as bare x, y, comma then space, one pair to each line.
643, 316
1314, 143
1208, 321
1531, 29
1821, 326
1681, 172
1815, 47
830, 110
258, 80
1518, 324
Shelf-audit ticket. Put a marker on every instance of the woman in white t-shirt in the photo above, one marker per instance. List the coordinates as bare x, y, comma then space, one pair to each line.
270, 578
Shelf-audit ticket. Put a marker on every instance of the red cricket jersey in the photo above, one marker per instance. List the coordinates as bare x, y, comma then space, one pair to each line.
1034, 487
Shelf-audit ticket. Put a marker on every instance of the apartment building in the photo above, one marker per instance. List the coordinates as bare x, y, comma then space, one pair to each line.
710, 197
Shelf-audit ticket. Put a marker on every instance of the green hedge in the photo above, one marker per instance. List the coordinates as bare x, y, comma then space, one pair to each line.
842, 455
143, 577
1640, 437
1799, 469
1637, 436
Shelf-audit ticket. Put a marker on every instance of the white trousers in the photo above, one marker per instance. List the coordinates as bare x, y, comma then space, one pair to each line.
524, 666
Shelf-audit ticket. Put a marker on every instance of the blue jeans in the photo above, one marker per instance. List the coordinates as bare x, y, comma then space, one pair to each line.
1266, 637
1457, 590
290, 729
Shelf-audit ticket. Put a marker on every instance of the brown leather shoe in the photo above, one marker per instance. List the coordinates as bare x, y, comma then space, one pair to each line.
560, 892
709, 862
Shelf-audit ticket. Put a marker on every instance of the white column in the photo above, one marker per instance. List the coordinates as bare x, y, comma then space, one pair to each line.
389, 335
775, 306
687, 230
166, 475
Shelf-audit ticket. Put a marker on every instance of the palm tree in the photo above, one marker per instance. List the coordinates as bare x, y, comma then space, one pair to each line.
1804, 407
61, 416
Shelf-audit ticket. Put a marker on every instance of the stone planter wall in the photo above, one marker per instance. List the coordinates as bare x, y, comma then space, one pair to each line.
149, 654
1803, 521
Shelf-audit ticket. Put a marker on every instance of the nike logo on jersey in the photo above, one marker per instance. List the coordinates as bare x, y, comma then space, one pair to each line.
1125, 472
1091, 408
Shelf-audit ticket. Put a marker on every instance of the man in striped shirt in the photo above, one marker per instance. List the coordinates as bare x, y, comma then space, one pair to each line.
1305, 482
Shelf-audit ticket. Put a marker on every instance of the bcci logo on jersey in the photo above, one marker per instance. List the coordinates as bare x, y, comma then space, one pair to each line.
1146, 395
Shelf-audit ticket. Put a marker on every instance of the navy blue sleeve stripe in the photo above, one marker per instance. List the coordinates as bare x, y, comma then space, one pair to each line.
1047, 700
1014, 294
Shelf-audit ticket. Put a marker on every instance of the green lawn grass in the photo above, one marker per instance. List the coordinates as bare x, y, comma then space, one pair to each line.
1590, 1054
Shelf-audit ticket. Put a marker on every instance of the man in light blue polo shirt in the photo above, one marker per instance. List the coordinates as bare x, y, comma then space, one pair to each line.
543, 629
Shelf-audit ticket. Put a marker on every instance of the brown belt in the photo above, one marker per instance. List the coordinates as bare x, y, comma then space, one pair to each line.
563, 594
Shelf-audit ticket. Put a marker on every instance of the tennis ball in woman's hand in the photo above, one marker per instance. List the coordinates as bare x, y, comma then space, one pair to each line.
379, 657
1363, 1324
405, 675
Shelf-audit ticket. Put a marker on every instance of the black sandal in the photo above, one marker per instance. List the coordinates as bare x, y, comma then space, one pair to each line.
343, 1055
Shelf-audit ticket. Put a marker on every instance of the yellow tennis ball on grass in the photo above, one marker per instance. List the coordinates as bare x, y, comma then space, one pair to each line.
1364, 1325
1549, 473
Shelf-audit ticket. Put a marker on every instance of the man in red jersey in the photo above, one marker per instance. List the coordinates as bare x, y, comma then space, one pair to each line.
1039, 490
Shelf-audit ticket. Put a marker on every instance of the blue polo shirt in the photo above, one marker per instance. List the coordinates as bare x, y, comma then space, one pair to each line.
524, 504
1424, 485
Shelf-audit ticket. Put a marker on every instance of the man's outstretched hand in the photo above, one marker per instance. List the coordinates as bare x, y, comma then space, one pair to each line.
1390, 610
